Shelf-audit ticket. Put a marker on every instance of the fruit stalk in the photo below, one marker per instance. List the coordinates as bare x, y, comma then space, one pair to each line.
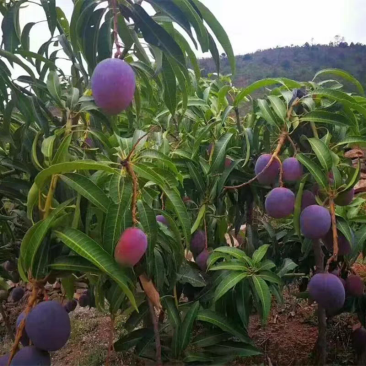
135, 187
281, 171
281, 141
236, 110
115, 28
334, 256
156, 333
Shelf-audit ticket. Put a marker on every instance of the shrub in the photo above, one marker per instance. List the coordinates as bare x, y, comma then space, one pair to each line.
48, 326
315, 222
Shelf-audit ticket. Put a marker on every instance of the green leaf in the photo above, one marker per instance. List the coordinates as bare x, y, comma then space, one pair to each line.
131, 339
322, 152
73, 263
297, 209
92, 251
352, 140
243, 302
24, 40
173, 313
33, 238
87, 189
219, 155
170, 86
236, 253
278, 106
9, 29
68, 286
201, 214
287, 266
267, 113
234, 349
231, 266
344, 74
105, 44
196, 176
260, 253
264, 295
219, 33
270, 277
314, 170
209, 338
156, 35
209, 316
353, 178
53, 86
345, 229
228, 283
191, 275
12, 58
325, 117
148, 221
49, 7
61, 154
263, 83
63, 21
187, 325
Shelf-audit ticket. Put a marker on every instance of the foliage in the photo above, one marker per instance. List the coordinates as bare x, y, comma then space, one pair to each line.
73, 178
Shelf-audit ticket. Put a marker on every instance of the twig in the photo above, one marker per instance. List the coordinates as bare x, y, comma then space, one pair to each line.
236, 110
134, 147
281, 141
6, 321
113, 3
135, 187
51, 191
281, 171
110, 345
292, 144
334, 256
156, 333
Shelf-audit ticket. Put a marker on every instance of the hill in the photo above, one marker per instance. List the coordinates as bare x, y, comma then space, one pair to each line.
298, 63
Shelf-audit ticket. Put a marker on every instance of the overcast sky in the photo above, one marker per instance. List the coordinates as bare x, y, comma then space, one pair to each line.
261, 24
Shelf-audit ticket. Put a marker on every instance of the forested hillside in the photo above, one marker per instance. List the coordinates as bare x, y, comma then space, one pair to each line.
299, 63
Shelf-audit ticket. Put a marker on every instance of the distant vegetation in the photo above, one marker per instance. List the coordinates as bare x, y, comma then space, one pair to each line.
299, 63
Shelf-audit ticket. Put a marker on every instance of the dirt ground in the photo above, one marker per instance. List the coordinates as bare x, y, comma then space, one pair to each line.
287, 340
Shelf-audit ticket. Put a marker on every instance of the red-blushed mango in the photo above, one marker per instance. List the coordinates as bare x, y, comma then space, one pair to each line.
280, 203
292, 170
198, 242
131, 247
31, 356
345, 198
201, 259
270, 175
307, 199
354, 285
315, 222
344, 246
48, 326
359, 339
327, 290
113, 84
162, 219
10, 266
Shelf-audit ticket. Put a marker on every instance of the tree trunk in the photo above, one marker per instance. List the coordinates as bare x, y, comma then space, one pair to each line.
320, 348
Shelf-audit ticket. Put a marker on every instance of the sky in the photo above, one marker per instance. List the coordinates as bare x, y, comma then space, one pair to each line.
257, 24
261, 24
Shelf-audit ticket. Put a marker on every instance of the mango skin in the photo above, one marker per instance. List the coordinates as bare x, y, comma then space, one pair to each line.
354, 285
292, 170
315, 222
131, 247
113, 84
270, 175
327, 290
280, 203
